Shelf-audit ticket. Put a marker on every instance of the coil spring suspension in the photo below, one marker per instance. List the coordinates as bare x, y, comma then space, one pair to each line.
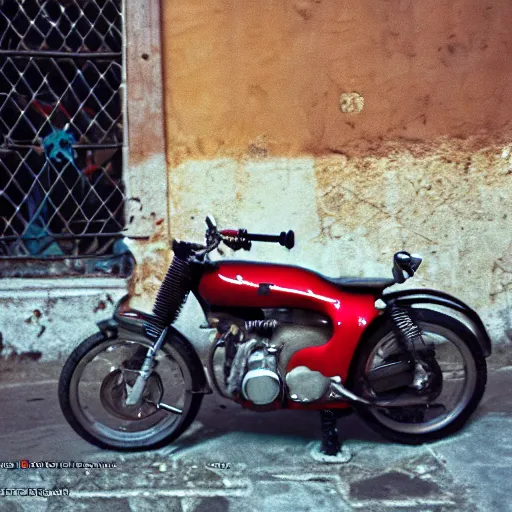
409, 334
171, 296
264, 328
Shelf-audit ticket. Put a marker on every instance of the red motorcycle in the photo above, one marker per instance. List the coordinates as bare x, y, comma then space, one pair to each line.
411, 363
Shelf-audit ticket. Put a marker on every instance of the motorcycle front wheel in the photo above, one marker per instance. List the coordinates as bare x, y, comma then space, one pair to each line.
461, 376
92, 393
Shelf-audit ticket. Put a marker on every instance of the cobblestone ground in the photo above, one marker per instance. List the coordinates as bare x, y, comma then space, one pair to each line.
269, 459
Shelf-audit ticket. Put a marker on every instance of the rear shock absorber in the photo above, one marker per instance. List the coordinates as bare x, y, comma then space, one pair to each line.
427, 374
408, 333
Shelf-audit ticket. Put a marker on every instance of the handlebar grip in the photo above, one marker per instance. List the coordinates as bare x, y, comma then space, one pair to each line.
256, 237
230, 232
285, 239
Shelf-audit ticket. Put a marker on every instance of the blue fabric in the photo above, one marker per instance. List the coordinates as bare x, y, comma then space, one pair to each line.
59, 145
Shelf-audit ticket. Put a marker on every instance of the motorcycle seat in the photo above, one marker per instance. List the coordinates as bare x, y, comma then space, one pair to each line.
372, 285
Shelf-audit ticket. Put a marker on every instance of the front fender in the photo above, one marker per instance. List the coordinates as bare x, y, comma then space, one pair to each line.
445, 302
130, 325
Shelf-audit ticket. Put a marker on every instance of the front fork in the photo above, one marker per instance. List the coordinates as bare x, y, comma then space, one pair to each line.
134, 393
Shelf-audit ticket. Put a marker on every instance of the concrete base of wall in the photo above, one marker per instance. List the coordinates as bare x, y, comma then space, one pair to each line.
47, 318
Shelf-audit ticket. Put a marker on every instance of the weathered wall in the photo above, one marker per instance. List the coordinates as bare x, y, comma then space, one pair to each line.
260, 133
351, 215
257, 136
267, 76
44, 319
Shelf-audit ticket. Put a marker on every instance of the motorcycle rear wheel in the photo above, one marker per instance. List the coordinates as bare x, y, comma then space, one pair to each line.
408, 425
119, 435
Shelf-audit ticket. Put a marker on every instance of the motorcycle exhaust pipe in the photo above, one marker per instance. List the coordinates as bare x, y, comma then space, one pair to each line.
339, 392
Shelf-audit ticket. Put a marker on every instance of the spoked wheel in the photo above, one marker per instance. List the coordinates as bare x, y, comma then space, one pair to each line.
457, 381
93, 388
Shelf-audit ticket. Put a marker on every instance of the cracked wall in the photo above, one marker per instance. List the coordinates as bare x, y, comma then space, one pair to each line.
451, 206
36, 315
351, 215
367, 127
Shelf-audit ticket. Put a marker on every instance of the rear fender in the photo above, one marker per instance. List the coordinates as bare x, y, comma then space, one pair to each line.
433, 299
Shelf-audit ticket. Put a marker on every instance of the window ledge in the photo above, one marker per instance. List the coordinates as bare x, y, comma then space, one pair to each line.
61, 287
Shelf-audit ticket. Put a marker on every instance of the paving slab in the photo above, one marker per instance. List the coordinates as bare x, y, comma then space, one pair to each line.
233, 459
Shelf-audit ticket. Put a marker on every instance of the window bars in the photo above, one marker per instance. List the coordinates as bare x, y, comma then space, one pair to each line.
61, 134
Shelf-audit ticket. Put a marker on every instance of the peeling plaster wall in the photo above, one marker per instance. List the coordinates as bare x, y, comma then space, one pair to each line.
351, 214
367, 127
45, 319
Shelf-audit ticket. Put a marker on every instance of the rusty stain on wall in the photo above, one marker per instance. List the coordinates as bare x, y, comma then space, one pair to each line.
37, 322
153, 257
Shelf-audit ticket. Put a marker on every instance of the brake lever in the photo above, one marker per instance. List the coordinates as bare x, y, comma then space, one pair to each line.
209, 248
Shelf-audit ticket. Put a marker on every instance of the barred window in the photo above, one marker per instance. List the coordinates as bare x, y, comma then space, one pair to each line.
61, 137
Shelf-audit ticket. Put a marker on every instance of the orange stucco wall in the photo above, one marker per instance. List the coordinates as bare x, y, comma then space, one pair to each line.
267, 75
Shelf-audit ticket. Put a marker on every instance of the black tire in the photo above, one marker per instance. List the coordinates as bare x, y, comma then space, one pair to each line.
448, 323
180, 350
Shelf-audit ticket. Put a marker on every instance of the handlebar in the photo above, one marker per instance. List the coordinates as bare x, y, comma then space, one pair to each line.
285, 239
236, 239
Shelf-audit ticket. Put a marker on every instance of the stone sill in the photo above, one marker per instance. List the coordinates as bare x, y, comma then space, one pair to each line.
69, 286
45, 318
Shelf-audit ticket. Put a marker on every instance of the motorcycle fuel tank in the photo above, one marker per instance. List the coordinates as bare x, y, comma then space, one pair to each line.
262, 285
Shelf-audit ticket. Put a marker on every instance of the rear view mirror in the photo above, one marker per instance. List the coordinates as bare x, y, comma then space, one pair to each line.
405, 265
210, 222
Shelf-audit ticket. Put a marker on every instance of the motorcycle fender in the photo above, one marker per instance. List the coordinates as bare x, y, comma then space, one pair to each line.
131, 327
443, 302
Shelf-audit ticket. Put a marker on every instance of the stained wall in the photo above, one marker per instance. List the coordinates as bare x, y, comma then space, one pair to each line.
368, 127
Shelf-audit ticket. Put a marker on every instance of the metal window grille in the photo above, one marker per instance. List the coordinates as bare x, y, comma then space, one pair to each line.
61, 134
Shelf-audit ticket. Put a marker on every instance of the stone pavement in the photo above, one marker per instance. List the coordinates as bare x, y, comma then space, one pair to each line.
231, 459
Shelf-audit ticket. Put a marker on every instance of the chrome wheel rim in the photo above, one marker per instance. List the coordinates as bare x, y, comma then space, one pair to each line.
459, 379
105, 358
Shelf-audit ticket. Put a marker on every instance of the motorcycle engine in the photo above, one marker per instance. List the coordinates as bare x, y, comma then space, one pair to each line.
250, 362
256, 356
261, 383
252, 374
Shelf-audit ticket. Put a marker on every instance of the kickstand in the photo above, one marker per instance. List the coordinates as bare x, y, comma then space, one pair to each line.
330, 441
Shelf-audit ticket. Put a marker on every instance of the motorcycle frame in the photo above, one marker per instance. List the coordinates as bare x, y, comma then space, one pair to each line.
249, 285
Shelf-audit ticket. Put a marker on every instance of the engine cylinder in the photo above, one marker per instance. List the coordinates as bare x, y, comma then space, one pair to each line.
261, 386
